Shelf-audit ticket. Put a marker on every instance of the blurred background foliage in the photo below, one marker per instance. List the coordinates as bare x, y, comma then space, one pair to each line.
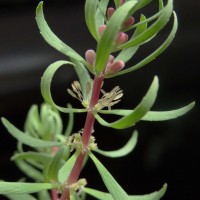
166, 151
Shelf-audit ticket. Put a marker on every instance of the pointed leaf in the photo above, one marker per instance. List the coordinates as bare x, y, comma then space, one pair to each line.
117, 3
32, 123
70, 123
83, 76
153, 55
136, 114
141, 4
152, 196
21, 188
101, 12
51, 38
46, 86
98, 194
155, 115
29, 170
106, 196
141, 27
65, 170
20, 197
126, 54
44, 195
26, 139
40, 157
90, 16
110, 33
54, 165
153, 29
126, 149
111, 184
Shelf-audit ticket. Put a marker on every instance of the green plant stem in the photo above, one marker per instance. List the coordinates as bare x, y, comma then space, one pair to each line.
87, 131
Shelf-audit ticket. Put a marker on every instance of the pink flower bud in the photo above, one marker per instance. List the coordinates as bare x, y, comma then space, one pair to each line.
90, 57
101, 29
121, 38
130, 21
122, 2
110, 12
115, 67
110, 59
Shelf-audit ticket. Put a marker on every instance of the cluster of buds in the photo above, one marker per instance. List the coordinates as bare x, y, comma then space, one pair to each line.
111, 67
122, 37
75, 142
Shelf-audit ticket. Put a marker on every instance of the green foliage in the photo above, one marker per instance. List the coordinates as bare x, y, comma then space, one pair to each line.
55, 155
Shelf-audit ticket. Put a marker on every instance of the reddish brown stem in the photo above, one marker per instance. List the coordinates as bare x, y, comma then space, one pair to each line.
54, 194
87, 131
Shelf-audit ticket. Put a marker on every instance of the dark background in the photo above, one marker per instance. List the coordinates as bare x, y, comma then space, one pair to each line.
166, 151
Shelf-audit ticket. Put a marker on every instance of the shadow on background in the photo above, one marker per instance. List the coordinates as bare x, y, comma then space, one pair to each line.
166, 151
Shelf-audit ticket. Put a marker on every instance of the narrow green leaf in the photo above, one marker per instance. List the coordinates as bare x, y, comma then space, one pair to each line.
43, 195
37, 156
29, 170
32, 124
126, 149
141, 27
152, 196
21, 188
65, 170
141, 4
26, 139
136, 114
117, 3
153, 29
153, 55
98, 194
20, 197
154, 115
109, 35
101, 12
46, 86
90, 16
111, 184
51, 122
153, 17
54, 165
106, 196
51, 38
84, 78
70, 123
126, 54
161, 5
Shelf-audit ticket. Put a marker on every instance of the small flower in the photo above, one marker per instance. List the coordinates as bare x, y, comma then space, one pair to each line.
110, 98
79, 185
75, 142
76, 92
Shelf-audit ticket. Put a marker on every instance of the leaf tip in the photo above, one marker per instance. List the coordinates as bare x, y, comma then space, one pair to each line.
39, 7
3, 120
